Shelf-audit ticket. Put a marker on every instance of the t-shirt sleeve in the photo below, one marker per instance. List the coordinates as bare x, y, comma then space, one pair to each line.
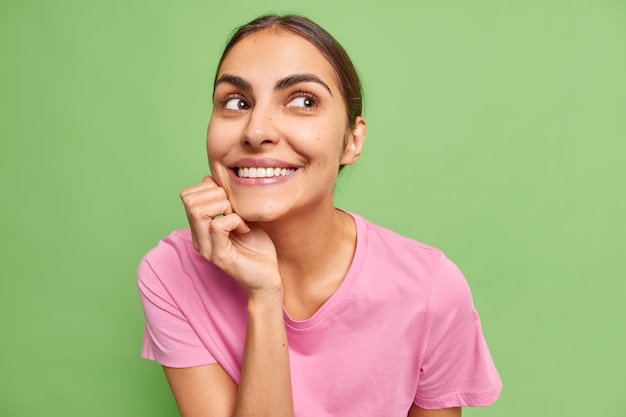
457, 369
169, 338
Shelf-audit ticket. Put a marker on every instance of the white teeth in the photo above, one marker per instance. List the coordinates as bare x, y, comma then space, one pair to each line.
260, 172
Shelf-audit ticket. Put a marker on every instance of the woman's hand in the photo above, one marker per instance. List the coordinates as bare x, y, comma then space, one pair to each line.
222, 237
247, 254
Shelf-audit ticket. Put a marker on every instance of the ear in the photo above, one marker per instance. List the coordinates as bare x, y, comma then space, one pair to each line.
354, 142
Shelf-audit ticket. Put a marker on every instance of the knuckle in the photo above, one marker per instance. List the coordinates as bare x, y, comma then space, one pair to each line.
188, 199
217, 258
200, 212
216, 225
221, 193
195, 211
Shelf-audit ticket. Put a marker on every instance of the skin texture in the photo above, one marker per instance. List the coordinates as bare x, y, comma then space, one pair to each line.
278, 126
276, 104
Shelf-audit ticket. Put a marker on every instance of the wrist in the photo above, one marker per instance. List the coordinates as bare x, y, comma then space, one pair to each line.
265, 299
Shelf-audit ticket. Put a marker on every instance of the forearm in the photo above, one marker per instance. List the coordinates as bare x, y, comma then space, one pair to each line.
265, 386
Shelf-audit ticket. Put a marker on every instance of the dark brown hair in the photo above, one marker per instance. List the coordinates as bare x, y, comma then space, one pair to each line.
330, 48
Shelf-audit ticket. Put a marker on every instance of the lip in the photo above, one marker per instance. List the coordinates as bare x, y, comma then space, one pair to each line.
261, 163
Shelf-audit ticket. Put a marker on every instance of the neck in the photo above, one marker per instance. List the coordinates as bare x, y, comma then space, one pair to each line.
315, 252
305, 241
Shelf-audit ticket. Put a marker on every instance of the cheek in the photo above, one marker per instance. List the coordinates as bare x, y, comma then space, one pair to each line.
216, 148
321, 137
219, 139
342, 141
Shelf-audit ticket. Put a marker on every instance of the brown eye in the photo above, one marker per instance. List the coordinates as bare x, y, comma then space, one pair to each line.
236, 104
304, 102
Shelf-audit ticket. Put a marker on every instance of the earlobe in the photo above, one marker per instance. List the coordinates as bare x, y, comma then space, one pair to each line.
356, 141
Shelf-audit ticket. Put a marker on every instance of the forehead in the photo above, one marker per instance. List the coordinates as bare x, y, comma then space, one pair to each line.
274, 54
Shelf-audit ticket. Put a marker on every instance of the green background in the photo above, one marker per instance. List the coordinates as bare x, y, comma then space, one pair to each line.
496, 133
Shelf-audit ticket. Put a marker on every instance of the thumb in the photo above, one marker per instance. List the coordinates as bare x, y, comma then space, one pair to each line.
222, 227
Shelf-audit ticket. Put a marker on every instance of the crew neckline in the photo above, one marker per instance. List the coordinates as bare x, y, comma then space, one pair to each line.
345, 288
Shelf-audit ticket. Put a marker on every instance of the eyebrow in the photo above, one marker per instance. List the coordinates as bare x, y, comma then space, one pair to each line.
290, 80
234, 80
282, 84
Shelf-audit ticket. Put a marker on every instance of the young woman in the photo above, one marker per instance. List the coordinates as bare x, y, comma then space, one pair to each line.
276, 303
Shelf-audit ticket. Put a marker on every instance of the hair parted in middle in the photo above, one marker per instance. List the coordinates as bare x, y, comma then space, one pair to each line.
345, 72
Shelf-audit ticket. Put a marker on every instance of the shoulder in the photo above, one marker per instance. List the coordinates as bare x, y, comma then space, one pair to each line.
172, 257
390, 248
425, 266
174, 243
174, 273
395, 240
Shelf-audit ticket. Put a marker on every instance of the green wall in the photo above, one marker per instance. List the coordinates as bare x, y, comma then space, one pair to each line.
496, 133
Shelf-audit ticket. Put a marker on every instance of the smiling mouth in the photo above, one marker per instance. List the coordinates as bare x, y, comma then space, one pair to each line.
260, 172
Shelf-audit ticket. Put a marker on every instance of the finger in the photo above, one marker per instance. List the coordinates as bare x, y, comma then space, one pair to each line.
220, 232
207, 183
204, 207
205, 191
224, 226
200, 218
202, 203
212, 200
210, 181
207, 179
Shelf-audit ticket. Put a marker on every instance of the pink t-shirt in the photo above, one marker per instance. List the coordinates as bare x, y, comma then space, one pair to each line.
400, 329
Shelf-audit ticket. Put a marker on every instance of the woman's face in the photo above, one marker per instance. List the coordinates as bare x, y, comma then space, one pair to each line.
279, 132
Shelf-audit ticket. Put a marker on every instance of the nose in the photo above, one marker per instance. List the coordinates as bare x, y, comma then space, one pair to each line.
261, 128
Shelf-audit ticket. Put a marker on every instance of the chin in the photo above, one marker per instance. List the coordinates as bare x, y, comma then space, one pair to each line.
259, 217
254, 213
